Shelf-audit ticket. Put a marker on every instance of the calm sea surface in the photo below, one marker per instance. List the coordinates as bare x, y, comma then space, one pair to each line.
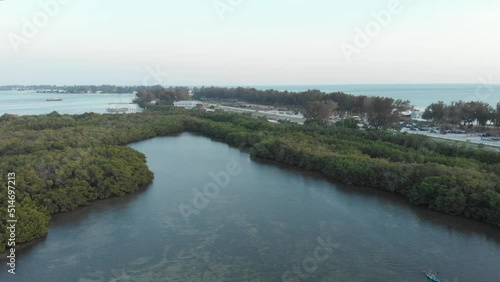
268, 221
30, 103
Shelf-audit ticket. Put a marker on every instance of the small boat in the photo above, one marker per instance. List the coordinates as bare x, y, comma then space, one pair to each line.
117, 110
432, 276
54, 100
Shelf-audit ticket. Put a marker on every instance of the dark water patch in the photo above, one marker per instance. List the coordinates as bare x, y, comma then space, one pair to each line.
265, 224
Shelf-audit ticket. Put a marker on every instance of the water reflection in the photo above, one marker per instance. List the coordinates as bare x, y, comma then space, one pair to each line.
265, 223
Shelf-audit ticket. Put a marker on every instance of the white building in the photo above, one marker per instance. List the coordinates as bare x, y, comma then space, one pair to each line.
417, 114
187, 104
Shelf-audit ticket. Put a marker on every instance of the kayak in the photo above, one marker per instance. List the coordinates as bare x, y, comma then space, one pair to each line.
432, 277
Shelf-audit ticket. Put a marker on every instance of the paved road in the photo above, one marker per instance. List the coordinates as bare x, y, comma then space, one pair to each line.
457, 137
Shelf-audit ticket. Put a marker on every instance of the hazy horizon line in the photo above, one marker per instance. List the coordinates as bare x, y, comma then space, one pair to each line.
253, 85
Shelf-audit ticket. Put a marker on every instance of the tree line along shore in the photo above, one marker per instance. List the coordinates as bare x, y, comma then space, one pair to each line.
317, 106
66, 161
381, 112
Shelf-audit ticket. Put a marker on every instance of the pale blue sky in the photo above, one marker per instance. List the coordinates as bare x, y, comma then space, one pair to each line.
259, 42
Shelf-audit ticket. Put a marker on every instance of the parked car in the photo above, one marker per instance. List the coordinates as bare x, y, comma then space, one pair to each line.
456, 131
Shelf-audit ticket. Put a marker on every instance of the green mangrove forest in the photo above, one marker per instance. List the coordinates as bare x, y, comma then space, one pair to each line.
62, 162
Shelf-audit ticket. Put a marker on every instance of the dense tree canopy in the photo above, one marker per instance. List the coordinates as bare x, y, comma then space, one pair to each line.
435, 111
466, 113
62, 162
497, 115
320, 111
381, 112
162, 96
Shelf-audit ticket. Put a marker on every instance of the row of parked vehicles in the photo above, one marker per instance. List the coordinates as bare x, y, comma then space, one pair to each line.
452, 131
433, 130
488, 137
416, 127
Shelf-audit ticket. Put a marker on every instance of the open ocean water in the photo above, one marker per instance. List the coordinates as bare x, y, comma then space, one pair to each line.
31, 103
